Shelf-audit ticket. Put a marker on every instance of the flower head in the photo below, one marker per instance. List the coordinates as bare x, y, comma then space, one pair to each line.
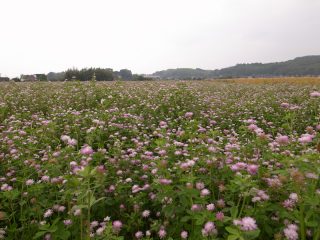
87, 150
315, 94
138, 234
246, 224
117, 225
184, 234
48, 213
29, 182
162, 233
290, 232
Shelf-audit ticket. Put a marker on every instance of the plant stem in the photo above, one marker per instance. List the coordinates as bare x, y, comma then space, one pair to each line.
242, 206
89, 212
316, 236
302, 226
81, 226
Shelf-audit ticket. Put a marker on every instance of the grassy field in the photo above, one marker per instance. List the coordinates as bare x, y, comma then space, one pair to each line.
224, 159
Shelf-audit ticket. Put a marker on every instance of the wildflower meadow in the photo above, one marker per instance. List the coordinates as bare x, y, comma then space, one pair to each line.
160, 160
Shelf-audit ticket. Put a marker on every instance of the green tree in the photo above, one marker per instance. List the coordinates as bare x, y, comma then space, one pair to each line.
125, 74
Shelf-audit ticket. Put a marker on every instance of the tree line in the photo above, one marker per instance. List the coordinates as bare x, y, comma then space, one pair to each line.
301, 66
84, 74
97, 74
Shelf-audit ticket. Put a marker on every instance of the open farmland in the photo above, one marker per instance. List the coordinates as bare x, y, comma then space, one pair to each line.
160, 160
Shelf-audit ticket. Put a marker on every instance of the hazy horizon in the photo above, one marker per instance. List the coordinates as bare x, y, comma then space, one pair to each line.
148, 36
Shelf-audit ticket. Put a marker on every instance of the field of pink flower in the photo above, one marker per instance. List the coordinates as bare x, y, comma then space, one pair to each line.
159, 160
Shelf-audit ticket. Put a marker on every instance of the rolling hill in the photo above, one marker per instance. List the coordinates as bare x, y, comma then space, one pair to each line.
300, 66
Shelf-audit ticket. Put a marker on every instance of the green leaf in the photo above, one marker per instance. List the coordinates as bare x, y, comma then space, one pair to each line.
62, 233
53, 229
312, 224
85, 172
232, 230
251, 234
11, 194
234, 211
39, 234
44, 227
200, 220
232, 237
91, 199
185, 219
55, 221
93, 172
78, 207
96, 201
160, 142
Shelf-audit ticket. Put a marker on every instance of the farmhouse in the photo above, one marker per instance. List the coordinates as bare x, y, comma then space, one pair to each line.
28, 78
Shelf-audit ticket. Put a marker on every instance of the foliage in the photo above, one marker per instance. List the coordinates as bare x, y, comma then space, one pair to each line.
86, 74
302, 66
59, 76
41, 77
125, 74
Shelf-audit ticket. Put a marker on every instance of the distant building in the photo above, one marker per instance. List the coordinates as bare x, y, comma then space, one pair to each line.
28, 78
4, 79
152, 77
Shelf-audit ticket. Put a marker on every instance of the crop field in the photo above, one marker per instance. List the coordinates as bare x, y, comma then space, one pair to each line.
221, 159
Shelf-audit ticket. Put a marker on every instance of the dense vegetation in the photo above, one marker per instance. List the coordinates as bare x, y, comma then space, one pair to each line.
159, 160
302, 66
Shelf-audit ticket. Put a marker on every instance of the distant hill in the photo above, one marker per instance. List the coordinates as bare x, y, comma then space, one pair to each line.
301, 66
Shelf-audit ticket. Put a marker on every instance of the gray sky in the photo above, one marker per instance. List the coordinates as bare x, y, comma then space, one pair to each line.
38, 36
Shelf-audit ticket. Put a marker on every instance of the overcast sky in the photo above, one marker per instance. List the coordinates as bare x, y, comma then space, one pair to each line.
39, 36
